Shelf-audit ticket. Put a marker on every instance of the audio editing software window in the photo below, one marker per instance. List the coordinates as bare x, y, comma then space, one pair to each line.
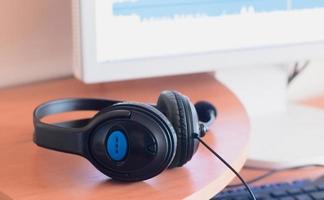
132, 29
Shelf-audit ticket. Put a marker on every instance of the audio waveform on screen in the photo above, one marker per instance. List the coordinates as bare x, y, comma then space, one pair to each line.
148, 9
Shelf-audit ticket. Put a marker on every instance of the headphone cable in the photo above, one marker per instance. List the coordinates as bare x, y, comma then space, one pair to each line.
229, 166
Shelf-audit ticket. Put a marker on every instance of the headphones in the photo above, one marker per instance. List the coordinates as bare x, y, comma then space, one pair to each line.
127, 141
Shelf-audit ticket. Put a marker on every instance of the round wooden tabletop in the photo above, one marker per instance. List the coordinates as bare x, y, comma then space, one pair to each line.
30, 172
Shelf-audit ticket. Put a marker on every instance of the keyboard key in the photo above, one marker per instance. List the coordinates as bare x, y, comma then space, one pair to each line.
320, 186
309, 188
261, 196
294, 191
242, 198
287, 198
303, 197
279, 193
318, 195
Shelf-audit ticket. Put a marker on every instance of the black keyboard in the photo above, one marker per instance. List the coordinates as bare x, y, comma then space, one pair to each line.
297, 190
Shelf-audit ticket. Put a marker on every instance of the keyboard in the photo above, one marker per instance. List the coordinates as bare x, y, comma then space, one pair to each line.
296, 190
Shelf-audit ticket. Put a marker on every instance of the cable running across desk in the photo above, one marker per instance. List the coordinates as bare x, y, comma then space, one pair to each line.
229, 166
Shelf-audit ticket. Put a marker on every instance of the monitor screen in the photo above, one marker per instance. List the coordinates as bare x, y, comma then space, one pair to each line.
134, 29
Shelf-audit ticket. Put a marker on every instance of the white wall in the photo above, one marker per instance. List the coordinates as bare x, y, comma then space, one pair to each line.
35, 40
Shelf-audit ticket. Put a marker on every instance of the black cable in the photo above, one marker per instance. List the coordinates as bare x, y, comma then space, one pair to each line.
273, 171
229, 166
297, 71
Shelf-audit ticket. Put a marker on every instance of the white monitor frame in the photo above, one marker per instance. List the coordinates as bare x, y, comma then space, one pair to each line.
89, 70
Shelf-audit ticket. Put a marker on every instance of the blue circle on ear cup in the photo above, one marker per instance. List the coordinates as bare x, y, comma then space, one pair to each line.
117, 145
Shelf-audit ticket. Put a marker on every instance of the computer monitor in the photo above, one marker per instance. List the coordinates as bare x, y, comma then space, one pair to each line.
247, 42
128, 39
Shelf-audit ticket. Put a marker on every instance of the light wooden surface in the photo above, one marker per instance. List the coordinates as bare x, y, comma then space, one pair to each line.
30, 172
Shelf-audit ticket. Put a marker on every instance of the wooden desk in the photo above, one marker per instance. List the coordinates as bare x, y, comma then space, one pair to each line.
30, 172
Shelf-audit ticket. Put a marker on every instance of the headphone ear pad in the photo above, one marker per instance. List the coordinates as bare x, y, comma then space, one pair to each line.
156, 130
177, 109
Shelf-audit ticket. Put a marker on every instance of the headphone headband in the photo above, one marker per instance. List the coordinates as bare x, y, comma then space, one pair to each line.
75, 104
64, 136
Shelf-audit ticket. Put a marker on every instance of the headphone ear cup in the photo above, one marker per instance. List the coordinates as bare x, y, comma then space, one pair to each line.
151, 142
182, 115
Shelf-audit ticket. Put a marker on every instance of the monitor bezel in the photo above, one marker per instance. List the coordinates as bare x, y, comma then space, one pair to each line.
89, 70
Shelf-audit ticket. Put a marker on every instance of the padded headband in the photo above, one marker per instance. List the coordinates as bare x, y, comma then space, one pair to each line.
65, 136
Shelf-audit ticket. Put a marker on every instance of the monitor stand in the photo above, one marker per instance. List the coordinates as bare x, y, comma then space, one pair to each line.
284, 133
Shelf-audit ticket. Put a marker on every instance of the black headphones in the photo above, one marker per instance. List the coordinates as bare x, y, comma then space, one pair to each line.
128, 141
